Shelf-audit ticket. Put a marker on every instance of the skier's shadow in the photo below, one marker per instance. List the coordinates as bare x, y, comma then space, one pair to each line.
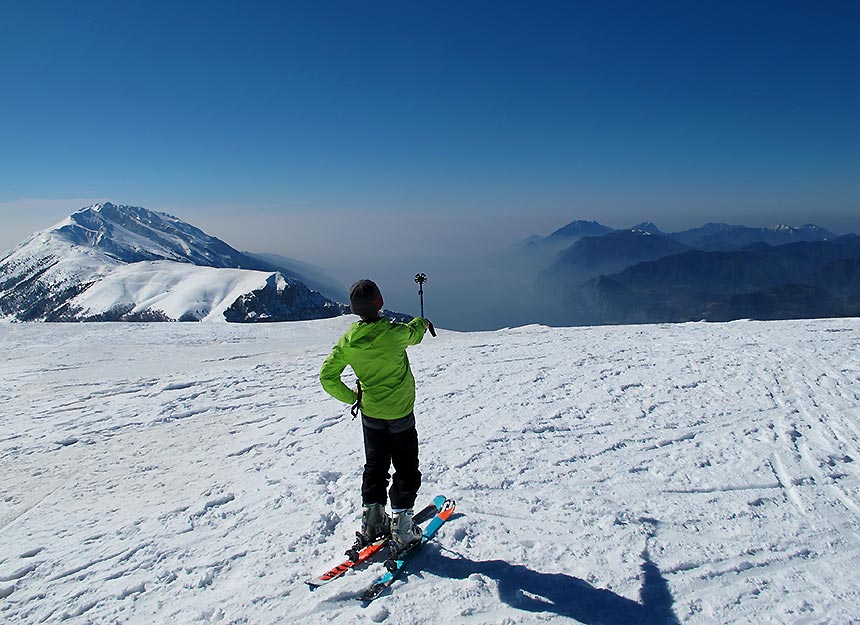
532, 591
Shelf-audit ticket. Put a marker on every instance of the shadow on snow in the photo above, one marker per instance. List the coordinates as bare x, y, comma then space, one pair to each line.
557, 593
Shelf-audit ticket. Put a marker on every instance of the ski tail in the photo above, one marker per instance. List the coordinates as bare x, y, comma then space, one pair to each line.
431, 510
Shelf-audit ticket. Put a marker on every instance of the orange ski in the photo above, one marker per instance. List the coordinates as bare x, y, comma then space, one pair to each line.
370, 550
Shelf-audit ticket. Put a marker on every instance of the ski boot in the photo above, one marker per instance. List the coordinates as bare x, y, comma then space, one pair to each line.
375, 524
404, 532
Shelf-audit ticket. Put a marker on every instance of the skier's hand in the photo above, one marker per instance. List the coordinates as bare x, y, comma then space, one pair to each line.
356, 407
429, 326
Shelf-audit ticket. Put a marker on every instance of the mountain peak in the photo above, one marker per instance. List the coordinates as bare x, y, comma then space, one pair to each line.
109, 261
132, 234
580, 228
814, 228
96, 208
647, 226
114, 212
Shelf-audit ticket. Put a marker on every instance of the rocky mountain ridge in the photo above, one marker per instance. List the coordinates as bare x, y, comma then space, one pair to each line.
110, 262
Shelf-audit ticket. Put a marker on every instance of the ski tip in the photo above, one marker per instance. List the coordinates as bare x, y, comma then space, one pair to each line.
439, 501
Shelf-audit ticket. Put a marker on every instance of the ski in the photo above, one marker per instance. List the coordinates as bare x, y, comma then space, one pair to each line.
395, 566
366, 553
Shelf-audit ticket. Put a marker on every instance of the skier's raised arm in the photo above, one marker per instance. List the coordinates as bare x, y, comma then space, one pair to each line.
413, 332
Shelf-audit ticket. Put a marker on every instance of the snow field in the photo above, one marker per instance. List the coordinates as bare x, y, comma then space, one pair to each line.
188, 473
173, 288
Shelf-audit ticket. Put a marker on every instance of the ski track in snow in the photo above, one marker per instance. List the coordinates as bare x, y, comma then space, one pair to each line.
186, 473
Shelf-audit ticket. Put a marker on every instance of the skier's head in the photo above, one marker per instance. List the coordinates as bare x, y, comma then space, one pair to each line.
365, 300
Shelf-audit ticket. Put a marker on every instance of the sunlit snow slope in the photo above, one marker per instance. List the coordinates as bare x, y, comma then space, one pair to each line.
194, 473
126, 263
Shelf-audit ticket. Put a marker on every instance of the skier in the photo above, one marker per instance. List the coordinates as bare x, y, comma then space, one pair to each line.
375, 348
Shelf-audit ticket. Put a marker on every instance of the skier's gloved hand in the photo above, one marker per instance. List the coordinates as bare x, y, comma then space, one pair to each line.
356, 407
429, 326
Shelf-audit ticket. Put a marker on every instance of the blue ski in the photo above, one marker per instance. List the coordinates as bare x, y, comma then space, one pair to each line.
395, 567
360, 556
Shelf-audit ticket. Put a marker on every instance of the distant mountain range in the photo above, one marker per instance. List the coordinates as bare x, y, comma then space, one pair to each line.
107, 262
711, 236
715, 237
110, 262
797, 280
716, 272
609, 253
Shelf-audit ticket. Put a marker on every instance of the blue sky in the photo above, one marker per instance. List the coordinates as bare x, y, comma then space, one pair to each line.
331, 130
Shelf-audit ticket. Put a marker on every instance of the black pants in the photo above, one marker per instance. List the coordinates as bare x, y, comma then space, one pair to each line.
388, 442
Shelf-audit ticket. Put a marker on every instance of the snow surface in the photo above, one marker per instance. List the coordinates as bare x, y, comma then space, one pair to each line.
176, 289
197, 473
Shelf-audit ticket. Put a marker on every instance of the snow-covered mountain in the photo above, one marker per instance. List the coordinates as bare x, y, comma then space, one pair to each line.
647, 226
130, 234
700, 473
110, 262
719, 236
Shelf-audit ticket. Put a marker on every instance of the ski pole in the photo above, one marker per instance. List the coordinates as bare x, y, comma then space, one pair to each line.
420, 279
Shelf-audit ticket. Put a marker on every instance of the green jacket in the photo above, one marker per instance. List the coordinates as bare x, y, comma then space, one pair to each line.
376, 351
